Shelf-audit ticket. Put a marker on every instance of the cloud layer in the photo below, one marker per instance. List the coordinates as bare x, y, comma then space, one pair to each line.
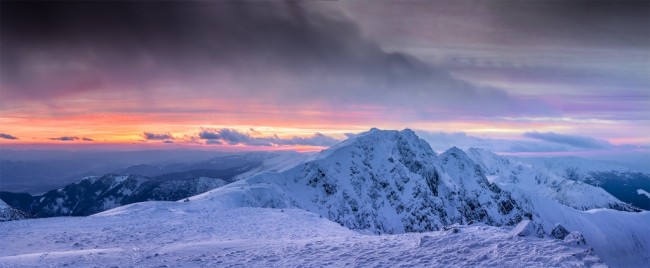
108, 68
157, 136
7, 136
234, 137
71, 138
549, 142
277, 52
571, 140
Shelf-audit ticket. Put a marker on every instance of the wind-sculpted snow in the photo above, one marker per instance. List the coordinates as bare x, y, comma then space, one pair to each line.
381, 182
166, 234
621, 239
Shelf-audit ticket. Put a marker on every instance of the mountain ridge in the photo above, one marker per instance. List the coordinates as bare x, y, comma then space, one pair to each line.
378, 181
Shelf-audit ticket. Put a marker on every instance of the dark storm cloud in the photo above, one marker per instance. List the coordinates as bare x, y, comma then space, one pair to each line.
572, 140
65, 138
7, 136
157, 136
617, 24
281, 52
232, 137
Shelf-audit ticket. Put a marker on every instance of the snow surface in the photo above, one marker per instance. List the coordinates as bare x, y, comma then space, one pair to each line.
181, 234
621, 239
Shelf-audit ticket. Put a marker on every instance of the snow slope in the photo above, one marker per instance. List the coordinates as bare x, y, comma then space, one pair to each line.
154, 234
621, 239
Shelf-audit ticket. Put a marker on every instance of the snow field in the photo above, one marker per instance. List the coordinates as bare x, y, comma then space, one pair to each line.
154, 234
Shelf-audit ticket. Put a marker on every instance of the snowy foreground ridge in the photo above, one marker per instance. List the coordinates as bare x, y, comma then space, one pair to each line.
383, 198
154, 234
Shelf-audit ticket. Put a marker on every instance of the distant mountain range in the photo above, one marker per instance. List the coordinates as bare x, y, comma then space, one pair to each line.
96, 194
37, 172
140, 183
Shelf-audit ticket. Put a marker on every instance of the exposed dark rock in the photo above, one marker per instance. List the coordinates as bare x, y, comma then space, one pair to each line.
559, 232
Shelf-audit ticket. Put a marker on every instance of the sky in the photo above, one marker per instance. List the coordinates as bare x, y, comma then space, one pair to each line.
535, 77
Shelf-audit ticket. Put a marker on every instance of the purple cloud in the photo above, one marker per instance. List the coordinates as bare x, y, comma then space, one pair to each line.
213, 142
209, 134
7, 136
317, 139
157, 136
232, 137
65, 138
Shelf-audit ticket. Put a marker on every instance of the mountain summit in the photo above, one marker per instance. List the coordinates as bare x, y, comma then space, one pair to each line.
381, 181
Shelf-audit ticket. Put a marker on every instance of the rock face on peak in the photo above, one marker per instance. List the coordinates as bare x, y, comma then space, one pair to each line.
478, 197
559, 232
382, 182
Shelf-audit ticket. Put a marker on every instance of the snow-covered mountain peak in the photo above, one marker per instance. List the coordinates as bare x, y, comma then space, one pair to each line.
382, 181
474, 153
454, 154
378, 135
462, 168
377, 141
492, 164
